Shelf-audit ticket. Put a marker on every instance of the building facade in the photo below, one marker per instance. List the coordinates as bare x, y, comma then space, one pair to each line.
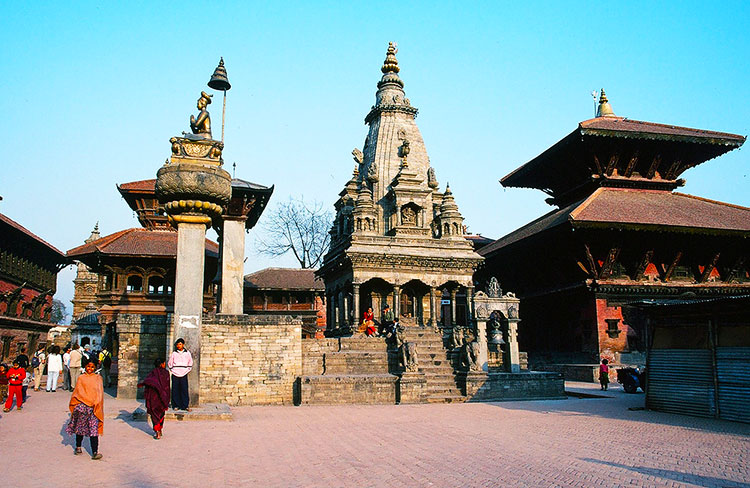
287, 291
28, 281
619, 233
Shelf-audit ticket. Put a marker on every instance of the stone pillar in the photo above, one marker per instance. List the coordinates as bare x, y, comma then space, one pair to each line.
335, 309
469, 303
355, 305
397, 301
433, 321
481, 331
345, 310
453, 307
188, 301
514, 358
232, 266
194, 189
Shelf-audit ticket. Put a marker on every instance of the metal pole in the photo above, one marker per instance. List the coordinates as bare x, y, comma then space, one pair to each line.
223, 115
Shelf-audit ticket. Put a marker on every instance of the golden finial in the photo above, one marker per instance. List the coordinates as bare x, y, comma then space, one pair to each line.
390, 65
605, 109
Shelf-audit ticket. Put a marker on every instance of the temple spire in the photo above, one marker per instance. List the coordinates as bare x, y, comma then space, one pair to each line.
605, 109
390, 68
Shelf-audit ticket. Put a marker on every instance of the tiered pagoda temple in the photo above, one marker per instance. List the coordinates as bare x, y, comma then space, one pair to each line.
396, 239
620, 233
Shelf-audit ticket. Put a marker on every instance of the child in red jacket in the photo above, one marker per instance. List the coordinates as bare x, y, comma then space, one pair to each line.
15, 375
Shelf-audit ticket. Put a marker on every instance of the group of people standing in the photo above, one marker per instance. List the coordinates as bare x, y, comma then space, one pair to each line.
87, 401
68, 366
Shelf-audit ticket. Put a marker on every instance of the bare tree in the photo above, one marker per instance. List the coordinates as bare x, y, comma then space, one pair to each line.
299, 227
59, 312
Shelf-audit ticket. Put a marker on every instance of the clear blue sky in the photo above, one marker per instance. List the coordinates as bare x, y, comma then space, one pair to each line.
92, 92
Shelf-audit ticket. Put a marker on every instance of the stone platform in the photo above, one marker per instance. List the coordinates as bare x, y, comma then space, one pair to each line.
209, 411
527, 385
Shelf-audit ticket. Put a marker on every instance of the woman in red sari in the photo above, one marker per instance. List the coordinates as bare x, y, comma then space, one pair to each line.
369, 321
157, 395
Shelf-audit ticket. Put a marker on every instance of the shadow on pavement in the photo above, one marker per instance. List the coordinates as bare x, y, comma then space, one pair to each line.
628, 407
127, 417
678, 476
65, 438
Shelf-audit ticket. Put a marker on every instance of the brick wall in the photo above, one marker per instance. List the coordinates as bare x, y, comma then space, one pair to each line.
142, 339
250, 359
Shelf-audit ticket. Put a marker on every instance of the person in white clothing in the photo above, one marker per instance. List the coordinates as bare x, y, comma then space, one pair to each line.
54, 367
180, 363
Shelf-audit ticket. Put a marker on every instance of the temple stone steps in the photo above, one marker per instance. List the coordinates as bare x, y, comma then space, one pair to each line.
435, 362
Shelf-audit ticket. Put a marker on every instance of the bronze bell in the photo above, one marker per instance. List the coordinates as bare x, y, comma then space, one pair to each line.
219, 80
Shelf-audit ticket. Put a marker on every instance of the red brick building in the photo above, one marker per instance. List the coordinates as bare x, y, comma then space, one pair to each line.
28, 281
288, 291
619, 233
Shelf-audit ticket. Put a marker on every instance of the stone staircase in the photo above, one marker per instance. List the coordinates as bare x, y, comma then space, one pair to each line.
435, 362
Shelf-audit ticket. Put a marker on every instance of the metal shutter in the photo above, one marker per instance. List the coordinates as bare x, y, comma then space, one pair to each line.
681, 381
732, 365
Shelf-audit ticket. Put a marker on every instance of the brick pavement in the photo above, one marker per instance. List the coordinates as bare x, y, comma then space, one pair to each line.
577, 442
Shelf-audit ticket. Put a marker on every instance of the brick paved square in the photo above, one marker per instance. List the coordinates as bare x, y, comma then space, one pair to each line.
577, 442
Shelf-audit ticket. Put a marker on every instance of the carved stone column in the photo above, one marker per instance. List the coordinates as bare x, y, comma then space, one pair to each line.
355, 305
397, 301
514, 358
469, 303
453, 306
433, 321
193, 187
481, 331
232, 265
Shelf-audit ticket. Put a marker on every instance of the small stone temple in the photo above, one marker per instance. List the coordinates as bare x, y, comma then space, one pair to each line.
396, 239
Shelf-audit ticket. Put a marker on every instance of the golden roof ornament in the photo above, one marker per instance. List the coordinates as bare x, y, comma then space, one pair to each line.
390, 65
605, 109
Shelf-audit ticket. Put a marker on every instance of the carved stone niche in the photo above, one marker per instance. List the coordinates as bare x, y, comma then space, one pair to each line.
613, 331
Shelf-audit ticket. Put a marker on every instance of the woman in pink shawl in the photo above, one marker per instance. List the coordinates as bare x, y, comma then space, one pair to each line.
157, 395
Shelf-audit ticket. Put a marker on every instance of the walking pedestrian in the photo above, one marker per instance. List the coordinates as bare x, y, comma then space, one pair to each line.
604, 374
15, 376
38, 360
66, 368
157, 395
54, 367
105, 360
76, 360
180, 364
87, 410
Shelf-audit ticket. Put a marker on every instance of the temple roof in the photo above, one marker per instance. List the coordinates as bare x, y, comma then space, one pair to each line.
628, 209
245, 191
617, 151
15, 225
157, 243
284, 279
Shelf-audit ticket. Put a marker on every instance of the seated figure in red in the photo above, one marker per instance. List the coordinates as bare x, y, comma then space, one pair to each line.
369, 322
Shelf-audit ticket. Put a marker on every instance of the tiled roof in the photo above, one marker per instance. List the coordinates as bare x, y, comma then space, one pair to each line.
142, 185
644, 209
138, 242
623, 127
660, 208
12, 223
284, 279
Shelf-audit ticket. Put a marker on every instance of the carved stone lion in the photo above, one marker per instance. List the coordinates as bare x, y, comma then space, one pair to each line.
409, 357
470, 356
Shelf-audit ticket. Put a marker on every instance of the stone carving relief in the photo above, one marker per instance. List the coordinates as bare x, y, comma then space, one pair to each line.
493, 288
457, 337
408, 216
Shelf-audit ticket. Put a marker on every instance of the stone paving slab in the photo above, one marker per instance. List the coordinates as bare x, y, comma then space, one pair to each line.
209, 411
578, 442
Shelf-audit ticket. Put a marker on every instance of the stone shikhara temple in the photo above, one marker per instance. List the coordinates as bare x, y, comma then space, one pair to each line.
397, 239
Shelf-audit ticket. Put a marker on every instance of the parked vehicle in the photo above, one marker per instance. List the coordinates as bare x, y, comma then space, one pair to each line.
631, 379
